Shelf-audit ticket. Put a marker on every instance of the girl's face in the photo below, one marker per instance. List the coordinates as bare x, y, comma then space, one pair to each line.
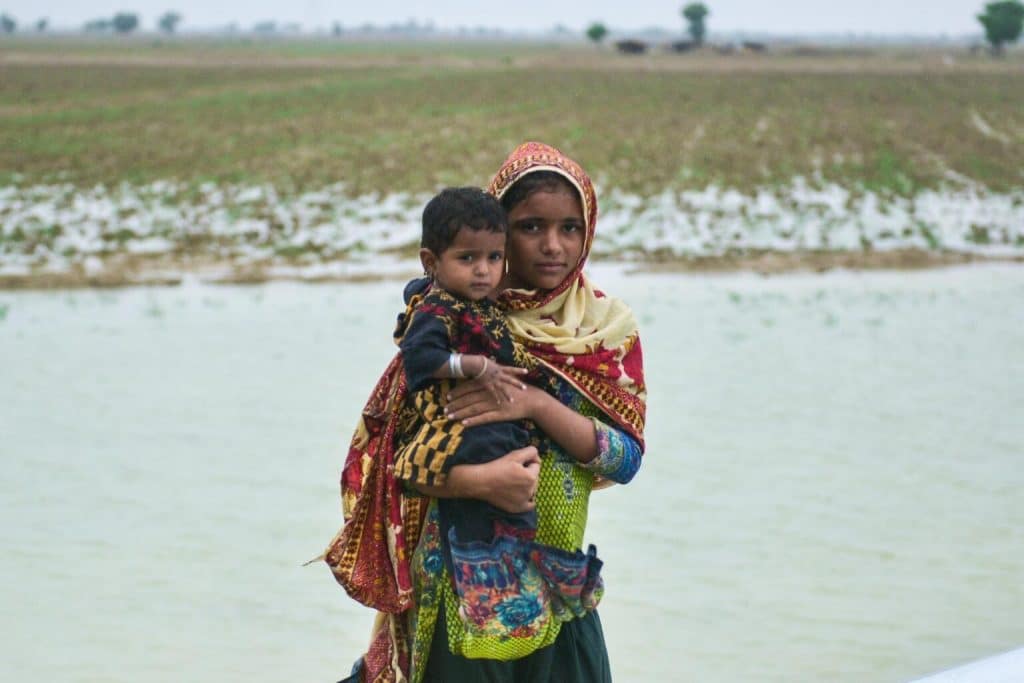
545, 239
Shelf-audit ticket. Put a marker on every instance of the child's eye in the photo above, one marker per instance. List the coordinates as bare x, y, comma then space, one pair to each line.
497, 256
466, 258
529, 227
571, 227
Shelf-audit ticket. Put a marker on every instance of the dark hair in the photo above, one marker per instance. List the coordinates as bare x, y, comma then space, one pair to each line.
538, 181
455, 208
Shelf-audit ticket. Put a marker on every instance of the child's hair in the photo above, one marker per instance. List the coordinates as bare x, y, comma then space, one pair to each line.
455, 208
539, 181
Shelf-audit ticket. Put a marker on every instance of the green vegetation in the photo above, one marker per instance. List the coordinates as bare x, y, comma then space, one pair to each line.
596, 32
1003, 22
168, 22
695, 15
125, 22
304, 115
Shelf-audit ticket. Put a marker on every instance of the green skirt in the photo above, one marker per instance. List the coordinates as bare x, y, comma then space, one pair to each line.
578, 655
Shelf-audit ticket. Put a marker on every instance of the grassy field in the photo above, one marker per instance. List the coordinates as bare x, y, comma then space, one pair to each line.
301, 115
135, 161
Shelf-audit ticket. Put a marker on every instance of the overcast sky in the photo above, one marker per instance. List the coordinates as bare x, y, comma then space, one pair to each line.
920, 17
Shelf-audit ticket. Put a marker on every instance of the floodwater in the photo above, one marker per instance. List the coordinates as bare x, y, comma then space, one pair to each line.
833, 488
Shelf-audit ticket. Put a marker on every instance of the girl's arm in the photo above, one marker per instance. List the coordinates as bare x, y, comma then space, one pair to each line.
601, 448
575, 433
509, 483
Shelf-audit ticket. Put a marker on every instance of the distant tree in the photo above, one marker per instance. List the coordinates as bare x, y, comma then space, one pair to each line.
42, 25
336, 30
7, 23
97, 26
597, 32
265, 27
169, 21
125, 22
695, 13
1003, 22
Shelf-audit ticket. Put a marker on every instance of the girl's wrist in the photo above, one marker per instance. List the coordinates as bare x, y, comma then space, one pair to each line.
535, 400
464, 482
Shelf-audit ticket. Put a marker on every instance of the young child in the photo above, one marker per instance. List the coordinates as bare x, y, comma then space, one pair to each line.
507, 584
451, 330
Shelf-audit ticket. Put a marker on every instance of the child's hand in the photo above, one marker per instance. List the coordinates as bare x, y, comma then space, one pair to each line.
499, 379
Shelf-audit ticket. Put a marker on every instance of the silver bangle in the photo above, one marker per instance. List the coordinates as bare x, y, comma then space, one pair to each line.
455, 366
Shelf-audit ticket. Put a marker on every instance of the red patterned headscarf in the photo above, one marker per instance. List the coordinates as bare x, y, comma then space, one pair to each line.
588, 338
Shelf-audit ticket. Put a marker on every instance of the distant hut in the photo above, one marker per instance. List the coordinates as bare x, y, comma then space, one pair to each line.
751, 46
631, 47
682, 46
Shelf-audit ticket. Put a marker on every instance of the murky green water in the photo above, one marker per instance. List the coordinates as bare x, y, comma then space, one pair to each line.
832, 490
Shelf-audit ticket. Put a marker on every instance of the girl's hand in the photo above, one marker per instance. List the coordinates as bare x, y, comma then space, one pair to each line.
473, 404
509, 483
501, 380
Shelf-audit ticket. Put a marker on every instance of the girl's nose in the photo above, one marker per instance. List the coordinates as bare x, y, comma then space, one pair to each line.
549, 243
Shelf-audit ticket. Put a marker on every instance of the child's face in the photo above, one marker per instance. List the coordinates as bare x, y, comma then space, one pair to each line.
472, 266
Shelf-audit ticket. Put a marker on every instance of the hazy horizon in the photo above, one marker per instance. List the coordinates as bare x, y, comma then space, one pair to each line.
786, 17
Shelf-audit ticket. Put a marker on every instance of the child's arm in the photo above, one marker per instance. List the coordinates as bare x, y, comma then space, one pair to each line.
496, 378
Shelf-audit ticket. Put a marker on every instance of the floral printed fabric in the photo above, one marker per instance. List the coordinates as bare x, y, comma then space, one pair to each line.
618, 454
570, 578
512, 587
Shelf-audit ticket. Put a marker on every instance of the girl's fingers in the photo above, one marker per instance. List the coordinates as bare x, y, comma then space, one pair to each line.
472, 409
514, 382
463, 389
458, 403
481, 418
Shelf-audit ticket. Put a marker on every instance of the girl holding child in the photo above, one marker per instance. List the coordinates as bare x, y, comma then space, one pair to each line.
516, 602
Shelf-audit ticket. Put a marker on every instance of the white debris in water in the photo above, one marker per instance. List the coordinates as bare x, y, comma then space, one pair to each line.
55, 227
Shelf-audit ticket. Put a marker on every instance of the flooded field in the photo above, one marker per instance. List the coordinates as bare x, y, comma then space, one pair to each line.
831, 489
165, 230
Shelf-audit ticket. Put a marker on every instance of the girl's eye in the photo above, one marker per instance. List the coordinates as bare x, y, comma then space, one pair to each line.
497, 256
571, 227
467, 258
529, 227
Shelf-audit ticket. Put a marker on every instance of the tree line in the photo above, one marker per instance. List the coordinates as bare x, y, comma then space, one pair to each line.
1002, 21
122, 22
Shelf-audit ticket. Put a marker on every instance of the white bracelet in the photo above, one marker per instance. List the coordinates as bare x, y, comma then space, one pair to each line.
455, 366
482, 370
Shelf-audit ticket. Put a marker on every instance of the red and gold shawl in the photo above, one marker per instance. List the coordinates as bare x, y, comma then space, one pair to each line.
586, 337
